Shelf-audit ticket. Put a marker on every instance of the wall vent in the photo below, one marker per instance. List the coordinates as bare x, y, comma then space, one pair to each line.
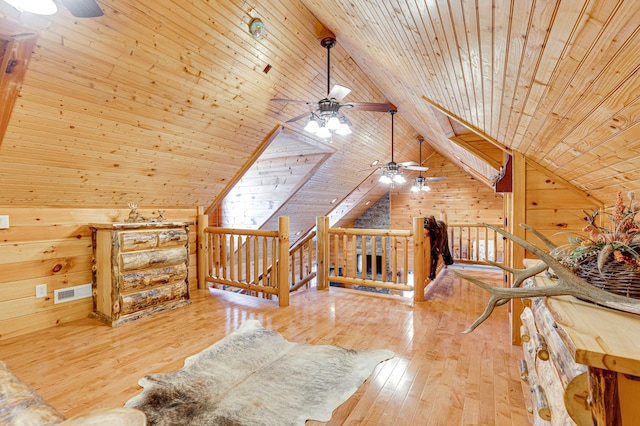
72, 293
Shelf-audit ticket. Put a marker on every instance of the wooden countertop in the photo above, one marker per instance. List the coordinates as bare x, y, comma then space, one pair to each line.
597, 336
140, 225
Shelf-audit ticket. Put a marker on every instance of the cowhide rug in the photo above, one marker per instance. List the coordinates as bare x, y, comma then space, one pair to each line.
255, 377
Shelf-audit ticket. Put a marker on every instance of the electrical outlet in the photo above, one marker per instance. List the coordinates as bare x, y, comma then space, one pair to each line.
4, 221
41, 291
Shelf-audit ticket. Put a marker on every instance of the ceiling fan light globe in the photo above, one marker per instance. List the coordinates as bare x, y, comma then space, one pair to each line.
415, 188
39, 7
385, 179
333, 123
426, 188
399, 178
312, 126
343, 129
323, 132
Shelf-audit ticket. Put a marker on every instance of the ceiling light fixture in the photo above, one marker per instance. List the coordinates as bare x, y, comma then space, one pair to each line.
329, 119
392, 174
39, 7
420, 184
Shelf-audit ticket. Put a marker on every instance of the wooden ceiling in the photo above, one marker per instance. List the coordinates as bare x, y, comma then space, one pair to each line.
167, 103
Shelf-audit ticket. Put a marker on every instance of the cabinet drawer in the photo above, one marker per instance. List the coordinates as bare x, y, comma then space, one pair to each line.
152, 259
141, 280
172, 237
138, 240
134, 302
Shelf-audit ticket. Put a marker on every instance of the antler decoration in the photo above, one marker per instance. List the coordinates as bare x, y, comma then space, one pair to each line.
568, 283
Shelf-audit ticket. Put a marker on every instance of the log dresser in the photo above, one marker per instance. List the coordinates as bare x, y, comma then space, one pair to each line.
581, 361
139, 268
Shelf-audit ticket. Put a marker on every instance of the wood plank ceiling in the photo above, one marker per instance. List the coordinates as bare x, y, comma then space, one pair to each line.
163, 103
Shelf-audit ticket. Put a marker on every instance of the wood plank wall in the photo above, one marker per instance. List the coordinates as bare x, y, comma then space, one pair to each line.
553, 206
53, 246
460, 197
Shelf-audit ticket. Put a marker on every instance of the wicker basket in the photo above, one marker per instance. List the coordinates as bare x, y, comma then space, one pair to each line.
615, 277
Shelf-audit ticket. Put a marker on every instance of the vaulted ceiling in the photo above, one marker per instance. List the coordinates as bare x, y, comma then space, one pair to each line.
168, 103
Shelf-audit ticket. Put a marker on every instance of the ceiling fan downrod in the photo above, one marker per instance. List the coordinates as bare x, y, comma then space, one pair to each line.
328, 43
392, 112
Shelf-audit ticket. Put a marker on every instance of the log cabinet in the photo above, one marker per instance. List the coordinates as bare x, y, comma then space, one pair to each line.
581, 361
139, 268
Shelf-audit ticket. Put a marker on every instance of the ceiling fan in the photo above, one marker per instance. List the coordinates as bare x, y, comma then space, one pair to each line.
83, 8
78, 8
391, 172
326, 114
420, 183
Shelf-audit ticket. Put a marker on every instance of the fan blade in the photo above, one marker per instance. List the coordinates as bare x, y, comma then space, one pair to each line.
293, 101
420, 168
300, 117
83, 8
408, 163
338, 93
367, 106
434, 178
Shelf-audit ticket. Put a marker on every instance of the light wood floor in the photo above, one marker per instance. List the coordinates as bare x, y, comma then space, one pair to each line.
438, 377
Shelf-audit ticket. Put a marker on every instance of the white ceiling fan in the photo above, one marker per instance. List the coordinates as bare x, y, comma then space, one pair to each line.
420, 183
391, 172
326, 115
78, 8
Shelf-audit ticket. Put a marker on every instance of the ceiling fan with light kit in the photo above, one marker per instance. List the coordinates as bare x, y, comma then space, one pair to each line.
420, 183
78, 8
392, 171
326, 115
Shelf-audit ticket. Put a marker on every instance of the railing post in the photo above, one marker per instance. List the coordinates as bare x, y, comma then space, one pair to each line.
322, 253
283, 261
203, 249
420, 267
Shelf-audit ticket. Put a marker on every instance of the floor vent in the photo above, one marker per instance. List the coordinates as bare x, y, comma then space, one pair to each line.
72, 293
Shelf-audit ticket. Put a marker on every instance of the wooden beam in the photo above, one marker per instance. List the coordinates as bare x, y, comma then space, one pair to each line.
518, 216
13, 66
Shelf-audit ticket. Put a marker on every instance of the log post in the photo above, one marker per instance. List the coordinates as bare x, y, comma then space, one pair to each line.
420, 261
322, 252
203, 249
283, 261
603, 393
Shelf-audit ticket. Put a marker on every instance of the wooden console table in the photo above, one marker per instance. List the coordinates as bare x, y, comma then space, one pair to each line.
607, 342
139, 268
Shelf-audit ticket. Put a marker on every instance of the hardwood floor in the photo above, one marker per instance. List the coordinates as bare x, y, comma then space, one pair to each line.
438, 377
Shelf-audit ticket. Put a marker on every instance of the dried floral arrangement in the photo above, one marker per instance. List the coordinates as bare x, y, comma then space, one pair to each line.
608, 257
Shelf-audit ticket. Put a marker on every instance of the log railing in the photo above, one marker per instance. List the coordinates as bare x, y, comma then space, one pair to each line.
244, 259
303, 261
343, 253
473, 243
260, 261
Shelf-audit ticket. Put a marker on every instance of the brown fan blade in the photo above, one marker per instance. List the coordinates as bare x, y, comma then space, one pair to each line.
338, 93
300, 117
83, 8
367, 106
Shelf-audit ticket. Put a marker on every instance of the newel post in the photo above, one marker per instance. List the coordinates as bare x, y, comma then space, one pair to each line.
420, 254
322, 252
203, 249
283, 261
